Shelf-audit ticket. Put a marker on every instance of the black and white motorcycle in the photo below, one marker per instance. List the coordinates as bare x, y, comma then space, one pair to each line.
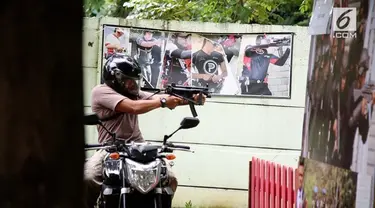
135, 174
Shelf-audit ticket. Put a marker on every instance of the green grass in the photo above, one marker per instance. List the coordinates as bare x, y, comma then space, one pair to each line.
189, 204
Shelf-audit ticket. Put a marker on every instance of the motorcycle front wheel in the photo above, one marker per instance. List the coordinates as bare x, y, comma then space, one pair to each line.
135, 200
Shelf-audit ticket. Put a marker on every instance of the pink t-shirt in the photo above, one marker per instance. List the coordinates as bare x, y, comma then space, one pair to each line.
103, 102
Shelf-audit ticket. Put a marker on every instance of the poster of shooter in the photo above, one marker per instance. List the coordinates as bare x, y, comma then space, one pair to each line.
252, 65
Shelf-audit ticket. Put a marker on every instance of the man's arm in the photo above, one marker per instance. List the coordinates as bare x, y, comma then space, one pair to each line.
223, 66
137, 106
110, 99
111, 46
175, 52
109, 43
249, 51
181, 54
146, 44
224, 71
147, 96
200, 76
280, 61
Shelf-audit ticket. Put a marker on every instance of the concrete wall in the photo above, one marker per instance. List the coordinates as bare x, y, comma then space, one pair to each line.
232, 129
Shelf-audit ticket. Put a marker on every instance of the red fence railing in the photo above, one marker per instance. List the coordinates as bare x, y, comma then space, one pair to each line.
271, 185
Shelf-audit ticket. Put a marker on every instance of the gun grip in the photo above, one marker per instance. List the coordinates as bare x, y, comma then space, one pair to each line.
192, 109
200, 98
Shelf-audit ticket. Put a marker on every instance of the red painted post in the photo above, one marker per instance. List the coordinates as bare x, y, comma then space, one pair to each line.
252, 189
278, 186
285, 172
261, 190
290, 187
253, 165
267, 186
272, 186
282, 199
257, 183
249, 187
295, 186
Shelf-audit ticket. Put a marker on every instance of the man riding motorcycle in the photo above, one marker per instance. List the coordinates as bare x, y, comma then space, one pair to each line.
117, 103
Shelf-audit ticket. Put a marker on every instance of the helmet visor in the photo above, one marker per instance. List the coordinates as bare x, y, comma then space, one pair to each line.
131, 85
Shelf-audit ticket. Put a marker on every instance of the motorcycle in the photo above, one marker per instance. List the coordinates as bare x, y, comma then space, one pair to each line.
135, 174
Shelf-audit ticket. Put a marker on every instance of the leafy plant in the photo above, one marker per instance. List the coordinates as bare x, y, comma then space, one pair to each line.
188, 204
288, 12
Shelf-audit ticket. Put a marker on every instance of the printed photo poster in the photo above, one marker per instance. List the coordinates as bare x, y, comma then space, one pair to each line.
214, 61
340, 98
265, 65
176, 62
115, 40
147, 47
325, 185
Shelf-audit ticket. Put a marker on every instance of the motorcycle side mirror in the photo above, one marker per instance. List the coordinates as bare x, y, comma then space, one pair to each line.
91, 119
186, 123
189, 122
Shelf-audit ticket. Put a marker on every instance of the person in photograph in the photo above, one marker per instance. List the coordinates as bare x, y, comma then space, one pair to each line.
323, 199
231, 45
148, 48
315, 197
353, 116
255, 65
316, 93
311, 90
112, 42
301, 198
354, 103
320, 109
207, 61
177, 60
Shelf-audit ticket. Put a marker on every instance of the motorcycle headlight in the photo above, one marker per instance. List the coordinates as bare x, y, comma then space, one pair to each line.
143, 177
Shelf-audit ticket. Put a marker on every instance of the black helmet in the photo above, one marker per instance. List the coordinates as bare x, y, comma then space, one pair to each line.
123, 74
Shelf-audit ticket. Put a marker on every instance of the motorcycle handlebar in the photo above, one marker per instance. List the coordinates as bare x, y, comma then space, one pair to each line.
104, 146
93, 145
181, 147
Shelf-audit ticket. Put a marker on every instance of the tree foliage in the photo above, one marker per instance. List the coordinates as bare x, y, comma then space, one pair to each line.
285, 12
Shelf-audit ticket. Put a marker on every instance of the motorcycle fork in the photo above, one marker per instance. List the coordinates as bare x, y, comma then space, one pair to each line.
158, 194
123, 189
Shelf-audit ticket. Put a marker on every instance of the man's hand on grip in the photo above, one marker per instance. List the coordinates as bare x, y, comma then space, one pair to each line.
196, 98
172, 102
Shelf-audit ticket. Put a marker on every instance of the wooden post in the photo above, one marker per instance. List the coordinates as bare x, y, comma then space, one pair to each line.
41, 108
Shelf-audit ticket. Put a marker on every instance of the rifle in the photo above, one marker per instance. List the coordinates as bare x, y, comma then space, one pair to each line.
276, 42
184, 92
282, 41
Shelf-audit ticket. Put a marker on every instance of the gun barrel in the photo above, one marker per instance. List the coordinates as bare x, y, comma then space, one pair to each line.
150, 89
189, 89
